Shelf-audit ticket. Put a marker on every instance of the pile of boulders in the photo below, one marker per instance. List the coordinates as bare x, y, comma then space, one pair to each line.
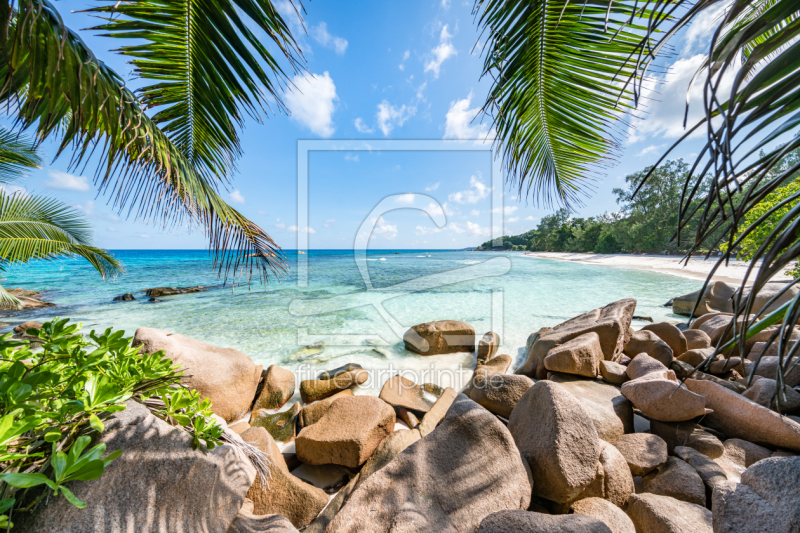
602, 428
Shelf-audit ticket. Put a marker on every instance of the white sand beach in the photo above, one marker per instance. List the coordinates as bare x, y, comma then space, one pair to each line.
697, 267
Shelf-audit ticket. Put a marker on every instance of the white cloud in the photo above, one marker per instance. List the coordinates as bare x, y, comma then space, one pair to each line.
647, 150
441, 52
390, 117
407, 198
295, 229
361, 126
406, 55
475, 212
461, 123
477, 229
11, 190
699, 33
311, 102
281, 225
66, 182
236, 197
436, 210
664, 101
432, 187
321, 35
351, 157
530, 218
477, 191
512, 220
445, 4
384, 229
505, 210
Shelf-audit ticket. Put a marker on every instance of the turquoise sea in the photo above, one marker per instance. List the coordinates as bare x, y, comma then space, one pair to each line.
336, 313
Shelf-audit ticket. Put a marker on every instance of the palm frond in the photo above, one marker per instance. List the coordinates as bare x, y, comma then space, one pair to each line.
17, 154
556, 94
8, 300
204, 68
49, 76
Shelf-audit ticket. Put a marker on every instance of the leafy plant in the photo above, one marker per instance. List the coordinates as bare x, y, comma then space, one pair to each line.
53, 403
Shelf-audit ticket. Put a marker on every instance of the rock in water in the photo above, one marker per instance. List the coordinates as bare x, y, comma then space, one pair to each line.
347, 433
716, 298
127, 297
557, 439
277, 387
466, 469
651, 513
159, 484
527, 522
487, 347
444, 336
171, 291
612, 323
226, 376
330, 374
741, 418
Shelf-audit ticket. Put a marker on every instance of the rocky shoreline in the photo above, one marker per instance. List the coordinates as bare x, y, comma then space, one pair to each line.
593, 433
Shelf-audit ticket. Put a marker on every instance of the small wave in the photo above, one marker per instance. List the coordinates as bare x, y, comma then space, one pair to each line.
383, 259
468, 262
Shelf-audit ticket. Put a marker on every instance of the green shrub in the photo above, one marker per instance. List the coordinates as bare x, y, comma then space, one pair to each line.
53, 403
607, 244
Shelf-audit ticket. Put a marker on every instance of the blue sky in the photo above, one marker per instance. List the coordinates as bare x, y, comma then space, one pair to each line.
380, 70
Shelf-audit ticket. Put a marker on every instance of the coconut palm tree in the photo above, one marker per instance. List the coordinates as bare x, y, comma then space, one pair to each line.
35, 227
566, 74
164, 151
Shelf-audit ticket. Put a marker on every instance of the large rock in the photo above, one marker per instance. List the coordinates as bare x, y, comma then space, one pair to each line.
643, 452
499, 393
687, 434
642, 364
670, 334
696, 339
494, 366
610, 411
767, 292
159, 484
277, 387
312, 390
695, 357
466, 469
677, 479
611, 323
766, 500
652, 513
487, 347
402, 392
709, 471
226, 376
613, 480
127, 297
763, 391
314, 411
580, 356
605, 511
716, 299
284, 493
158, 292
347, 433
738, 417
768, 368
527, 522
649, 343
717, 327
613, 372
661, 396
444, 336
558, 440
738, 456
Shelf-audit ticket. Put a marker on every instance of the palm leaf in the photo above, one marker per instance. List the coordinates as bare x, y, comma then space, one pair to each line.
49, 77
555, 96
204, 68
17, 154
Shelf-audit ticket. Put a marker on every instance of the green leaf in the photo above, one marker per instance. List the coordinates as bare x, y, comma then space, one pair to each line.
25, 481
96, 423
52, 436
71, 498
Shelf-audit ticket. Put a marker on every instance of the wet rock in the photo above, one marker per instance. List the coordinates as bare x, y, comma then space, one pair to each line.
277, 386
401, 392
464, 470
29, 299
696, 339
527, 522
676, 479
605, 511
172, 291
226, 376
652, 513
281, 426
610, 411
660, 396
738, 417
154, 300
312, 390
611, 323
716, 298
127, 297
580, 356
557, 439
487, 347
437, 413
643, 452
314, 411
648, 342
613, 372
687, 434
347, 433
670, 334
330, 374
499, 393
444, 336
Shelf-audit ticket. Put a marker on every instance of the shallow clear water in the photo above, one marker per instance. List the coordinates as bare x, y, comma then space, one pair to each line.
505, 292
